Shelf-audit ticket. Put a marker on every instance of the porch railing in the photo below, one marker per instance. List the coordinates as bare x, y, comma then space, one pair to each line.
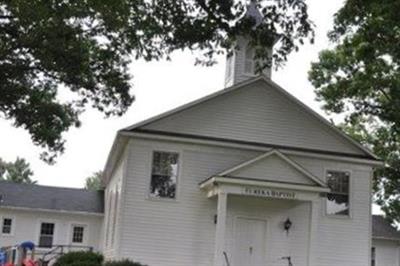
58, 250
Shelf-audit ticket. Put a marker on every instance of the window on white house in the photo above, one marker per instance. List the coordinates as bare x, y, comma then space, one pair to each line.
338, 200
249, 63
6, 228
46, 235
78, 232
164, 175
373, 256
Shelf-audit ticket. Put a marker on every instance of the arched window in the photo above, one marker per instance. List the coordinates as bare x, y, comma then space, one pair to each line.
249, 65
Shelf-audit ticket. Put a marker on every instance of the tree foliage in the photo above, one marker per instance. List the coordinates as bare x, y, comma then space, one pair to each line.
80, 258
123, 263
94, 182
18, 171
85, 48
360, 78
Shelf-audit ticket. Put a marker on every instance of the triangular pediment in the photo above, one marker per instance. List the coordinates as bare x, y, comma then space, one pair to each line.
273, 166
255, 112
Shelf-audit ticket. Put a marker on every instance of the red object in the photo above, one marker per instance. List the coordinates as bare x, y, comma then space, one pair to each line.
29, 262
8, 264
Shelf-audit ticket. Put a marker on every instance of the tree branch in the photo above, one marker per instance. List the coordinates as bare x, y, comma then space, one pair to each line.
385, 94
6, 17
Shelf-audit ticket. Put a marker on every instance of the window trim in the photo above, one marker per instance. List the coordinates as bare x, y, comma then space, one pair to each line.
340, 216
11, 234
39, 227
85, 233
148, 194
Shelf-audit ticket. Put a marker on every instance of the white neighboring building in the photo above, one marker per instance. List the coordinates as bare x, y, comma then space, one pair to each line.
385, 243
50, 216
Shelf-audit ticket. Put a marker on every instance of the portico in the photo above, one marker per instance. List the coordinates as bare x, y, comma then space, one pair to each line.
251, 211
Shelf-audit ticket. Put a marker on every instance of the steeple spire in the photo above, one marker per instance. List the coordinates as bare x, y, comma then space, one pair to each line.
240, 65
252, 11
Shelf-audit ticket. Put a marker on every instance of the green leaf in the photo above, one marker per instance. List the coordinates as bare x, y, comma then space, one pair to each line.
360, 79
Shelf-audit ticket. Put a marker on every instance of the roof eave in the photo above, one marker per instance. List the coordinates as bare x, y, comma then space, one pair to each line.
267, 80
117, 149
386, 238
193, 103
322, 119
51, 210
295, 165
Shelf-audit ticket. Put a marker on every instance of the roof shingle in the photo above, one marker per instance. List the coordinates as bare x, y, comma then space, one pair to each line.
381, 228
50, 198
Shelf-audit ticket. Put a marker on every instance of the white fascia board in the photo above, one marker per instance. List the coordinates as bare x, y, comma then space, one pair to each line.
249, 162
280, 155
193, 103
320, 118
247, 82
12, 208
386, 238
114, 155
251, 147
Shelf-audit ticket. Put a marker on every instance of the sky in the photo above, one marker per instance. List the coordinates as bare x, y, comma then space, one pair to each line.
158, 87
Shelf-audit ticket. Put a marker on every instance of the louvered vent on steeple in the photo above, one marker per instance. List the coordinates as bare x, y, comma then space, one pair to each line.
240, 65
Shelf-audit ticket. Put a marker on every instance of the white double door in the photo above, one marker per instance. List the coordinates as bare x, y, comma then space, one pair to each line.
250, 246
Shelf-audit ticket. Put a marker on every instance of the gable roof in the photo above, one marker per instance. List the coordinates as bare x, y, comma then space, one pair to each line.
231, 171
382, 229
145, 126
29, 196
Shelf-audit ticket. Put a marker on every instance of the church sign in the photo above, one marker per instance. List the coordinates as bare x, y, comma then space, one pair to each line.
268, 193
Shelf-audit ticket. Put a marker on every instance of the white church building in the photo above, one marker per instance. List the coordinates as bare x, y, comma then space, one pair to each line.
247, 176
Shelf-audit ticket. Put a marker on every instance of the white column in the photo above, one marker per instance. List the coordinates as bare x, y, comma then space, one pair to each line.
313, 241
219, 259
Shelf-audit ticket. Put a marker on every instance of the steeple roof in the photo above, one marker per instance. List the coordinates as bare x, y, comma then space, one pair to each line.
253, 12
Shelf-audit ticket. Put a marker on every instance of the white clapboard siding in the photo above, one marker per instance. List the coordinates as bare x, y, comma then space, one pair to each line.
344, 241
172, 233
387, 252
258, 113
26, 227
181, 232
273, 168
112, 213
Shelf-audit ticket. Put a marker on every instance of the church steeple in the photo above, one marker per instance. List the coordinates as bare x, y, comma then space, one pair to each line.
240, 65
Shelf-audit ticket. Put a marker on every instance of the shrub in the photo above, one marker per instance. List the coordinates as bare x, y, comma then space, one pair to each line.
123, 263
80, 258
